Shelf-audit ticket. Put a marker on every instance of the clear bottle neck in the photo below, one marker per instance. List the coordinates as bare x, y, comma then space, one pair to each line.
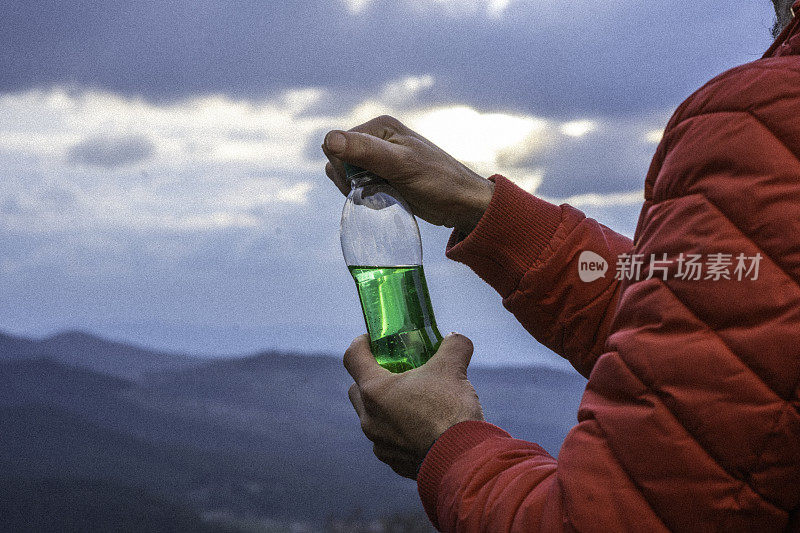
377, 227
364, 178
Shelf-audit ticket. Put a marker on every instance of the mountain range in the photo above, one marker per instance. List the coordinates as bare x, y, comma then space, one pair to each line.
248, 443
95, 353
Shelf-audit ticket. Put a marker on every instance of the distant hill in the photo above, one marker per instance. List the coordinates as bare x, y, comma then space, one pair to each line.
266, 437
85, 350
78, 505
18, 348
535, 403
188, 446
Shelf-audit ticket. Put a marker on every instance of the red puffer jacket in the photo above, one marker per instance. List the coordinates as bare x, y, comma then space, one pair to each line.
691, 417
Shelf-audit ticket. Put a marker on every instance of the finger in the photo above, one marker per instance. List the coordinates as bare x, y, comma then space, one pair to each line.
384, 127
337, 180
368, 428
355, 398
387, 453
367, 151
398, 460
360, 363
453, 355
336, 164
387, 127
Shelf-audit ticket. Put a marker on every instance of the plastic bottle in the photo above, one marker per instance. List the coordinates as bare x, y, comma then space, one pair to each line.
383, 250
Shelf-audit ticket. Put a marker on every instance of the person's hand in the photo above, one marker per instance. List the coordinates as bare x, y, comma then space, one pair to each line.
403, 414
438, 188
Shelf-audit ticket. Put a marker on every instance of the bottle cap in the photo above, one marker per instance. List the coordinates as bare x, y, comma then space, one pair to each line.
352, 170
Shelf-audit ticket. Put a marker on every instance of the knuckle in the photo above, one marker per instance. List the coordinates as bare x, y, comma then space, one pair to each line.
371, 391
351, 355
356, 401
383, 126
380, 453
348, 358
350, 352
368, 428
400, 470
369, 127
390, 122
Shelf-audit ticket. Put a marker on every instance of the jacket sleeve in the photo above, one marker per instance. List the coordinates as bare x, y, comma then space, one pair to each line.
529, 251
690, 420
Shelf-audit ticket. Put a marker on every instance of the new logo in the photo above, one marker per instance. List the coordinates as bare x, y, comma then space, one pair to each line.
591, 266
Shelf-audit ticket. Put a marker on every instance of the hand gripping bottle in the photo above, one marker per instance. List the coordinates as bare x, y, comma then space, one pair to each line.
383, 250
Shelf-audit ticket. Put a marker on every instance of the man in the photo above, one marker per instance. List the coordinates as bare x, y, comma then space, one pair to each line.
691, 417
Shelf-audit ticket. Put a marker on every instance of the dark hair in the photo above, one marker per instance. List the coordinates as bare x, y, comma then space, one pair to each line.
783, 15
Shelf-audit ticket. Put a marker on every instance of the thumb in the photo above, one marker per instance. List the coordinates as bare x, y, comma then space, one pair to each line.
359, 361
367, 151
454, 355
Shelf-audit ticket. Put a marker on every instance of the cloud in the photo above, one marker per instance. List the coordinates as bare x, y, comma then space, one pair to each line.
195, 164
111, 152
578, 128
218, 162
582, 201
570, 59
357, 6
654, 136
216, 210
406, 89
492, 8
227, 219
475, 137
230, 209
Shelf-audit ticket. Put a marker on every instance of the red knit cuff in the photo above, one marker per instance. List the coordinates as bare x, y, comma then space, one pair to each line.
454, 442
510, 237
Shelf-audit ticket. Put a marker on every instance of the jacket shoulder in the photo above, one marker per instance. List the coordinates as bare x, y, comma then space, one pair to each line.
756, 104
768, 87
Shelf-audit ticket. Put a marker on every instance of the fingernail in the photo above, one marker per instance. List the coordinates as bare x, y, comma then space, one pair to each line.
335, 141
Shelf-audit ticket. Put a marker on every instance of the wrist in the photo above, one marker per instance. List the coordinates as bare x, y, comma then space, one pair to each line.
475, 201
448, 449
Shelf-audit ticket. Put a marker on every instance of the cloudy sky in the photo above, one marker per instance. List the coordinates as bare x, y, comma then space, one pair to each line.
160, 173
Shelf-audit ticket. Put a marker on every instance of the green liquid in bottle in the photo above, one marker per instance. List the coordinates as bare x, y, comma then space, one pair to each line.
397, 310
